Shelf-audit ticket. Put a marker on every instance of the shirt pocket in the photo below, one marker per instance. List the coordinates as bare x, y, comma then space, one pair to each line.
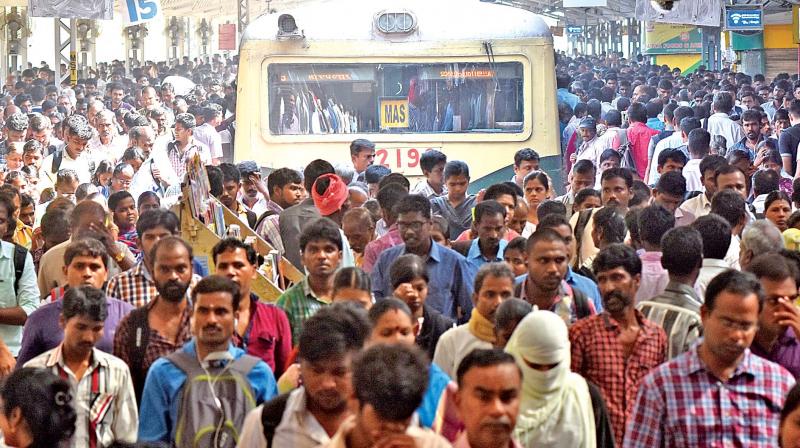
263, 347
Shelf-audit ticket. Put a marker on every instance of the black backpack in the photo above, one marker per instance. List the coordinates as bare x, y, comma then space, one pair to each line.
20, 254
271, 416
138, 339
582, 308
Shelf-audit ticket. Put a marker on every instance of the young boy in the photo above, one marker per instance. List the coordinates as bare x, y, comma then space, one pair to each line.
586, 199
516, 257
432, 163
456, 206
123, 208
439, 231
14, 156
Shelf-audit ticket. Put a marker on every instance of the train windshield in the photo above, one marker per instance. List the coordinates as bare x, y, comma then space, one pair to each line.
396, 98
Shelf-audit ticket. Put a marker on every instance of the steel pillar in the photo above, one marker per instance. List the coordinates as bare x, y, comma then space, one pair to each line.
65, 35
243, 7
14, 32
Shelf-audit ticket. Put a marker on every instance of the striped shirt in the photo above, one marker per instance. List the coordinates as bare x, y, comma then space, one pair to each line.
299, 302
677, 311
103, 398
681, 403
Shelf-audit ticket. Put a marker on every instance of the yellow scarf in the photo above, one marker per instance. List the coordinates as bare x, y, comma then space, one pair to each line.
481, 327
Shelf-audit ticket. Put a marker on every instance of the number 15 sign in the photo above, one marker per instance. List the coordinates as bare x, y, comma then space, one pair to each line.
140, 11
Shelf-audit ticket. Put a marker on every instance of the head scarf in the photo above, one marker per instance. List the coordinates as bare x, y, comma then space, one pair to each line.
334, 196
556, 408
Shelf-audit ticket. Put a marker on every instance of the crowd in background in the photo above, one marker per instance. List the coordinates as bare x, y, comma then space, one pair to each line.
643, 295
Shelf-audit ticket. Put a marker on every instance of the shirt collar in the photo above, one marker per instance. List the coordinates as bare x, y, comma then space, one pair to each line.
141, 269
715, 263
611, 324
57, 358
681, 288
475, 250
6, 249
696, 365
308, 292
435, 253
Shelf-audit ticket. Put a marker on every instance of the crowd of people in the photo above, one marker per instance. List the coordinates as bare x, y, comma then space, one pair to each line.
653, 303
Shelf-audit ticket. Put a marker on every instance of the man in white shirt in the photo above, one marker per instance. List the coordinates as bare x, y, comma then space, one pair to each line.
731, 206
72, 155
720, 124
716, 234
101, 384
592, 146
699, 146
700, 205
107, 144
311, 414
207, 135
678, 140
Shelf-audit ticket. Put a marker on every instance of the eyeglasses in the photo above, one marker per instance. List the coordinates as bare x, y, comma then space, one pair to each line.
416, 225
737, 326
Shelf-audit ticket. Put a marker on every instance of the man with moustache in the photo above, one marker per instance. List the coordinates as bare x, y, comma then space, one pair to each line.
162, 326
208, 358
735, 397
618, 347
488, 399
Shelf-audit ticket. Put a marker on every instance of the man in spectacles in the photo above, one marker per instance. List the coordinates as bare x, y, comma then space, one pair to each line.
719, 379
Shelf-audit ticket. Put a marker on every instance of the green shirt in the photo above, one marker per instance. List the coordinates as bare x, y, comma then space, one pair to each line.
299, 303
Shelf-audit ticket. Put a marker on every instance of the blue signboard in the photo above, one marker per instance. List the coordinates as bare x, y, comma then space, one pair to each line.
738, 18
574, 30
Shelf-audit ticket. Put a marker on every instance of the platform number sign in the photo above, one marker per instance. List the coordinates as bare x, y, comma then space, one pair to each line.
140, 11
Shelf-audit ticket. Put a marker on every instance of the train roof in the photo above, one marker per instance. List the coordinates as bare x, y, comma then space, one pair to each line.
436, 20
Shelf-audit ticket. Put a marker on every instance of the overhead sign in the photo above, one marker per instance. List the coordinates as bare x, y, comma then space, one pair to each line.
669, 38
140, 11
738, 18
227, 36
72, 9
585, 3
689, 12
574, 30
394, 113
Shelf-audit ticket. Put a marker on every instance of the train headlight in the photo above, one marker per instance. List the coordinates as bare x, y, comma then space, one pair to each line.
287, 28
395, 22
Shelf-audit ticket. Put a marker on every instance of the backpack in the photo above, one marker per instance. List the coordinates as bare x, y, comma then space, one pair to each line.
138, 339
58, 157
580, 227
204, 420
20, 254
580, 299
261, 218
271, 416
626, 153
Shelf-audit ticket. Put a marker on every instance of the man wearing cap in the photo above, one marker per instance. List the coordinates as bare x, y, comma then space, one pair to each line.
332, 198
592, 147
254, 194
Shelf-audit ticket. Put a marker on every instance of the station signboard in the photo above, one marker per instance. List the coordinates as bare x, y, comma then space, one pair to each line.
738, 18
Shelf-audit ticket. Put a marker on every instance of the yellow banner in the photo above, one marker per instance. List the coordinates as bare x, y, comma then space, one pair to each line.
394, 113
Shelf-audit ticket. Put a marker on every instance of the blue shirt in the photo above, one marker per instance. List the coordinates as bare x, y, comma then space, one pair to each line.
437, 384
476, 259
161, 396
655, 123
564, 96
578, 281
742, 145
450, 285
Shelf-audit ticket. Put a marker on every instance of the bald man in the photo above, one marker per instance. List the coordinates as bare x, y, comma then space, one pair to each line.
359, 228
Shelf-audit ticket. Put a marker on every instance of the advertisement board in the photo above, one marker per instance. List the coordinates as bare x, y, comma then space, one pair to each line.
670, 38
739, 18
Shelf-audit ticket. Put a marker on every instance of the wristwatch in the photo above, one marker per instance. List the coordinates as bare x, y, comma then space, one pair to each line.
119, 257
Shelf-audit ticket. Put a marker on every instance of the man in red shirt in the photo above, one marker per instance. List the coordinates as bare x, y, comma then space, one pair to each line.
639, 136
262, 330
